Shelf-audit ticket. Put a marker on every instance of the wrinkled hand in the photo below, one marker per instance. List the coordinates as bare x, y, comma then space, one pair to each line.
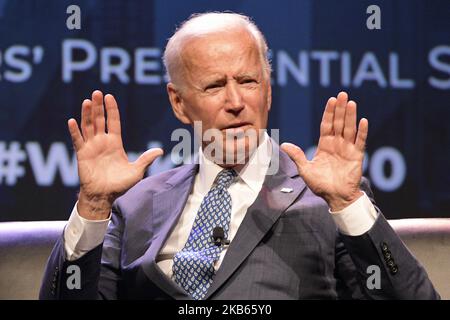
336, 169
103, 166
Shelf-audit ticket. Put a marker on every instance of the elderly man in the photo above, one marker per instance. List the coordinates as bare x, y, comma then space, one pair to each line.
225, 229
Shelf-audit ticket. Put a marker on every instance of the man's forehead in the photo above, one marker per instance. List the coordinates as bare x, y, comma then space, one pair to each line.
208, 52
218, 69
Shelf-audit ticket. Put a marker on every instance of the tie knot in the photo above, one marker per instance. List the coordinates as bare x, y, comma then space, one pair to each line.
225, 178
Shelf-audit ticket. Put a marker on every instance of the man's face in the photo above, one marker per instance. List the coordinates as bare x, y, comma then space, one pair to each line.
225, 87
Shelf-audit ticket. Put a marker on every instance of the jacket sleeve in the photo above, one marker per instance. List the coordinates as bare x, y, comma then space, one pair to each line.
378, 265
96, 275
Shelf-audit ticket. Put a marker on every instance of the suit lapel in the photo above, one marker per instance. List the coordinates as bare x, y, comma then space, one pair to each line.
168, 204
261, 216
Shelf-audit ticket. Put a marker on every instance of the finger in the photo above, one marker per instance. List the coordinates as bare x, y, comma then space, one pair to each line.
295, 153
350, 122
326, 126
87, 126
363, 130
75, 134
339, 113
97, 112
147, 158
112, 113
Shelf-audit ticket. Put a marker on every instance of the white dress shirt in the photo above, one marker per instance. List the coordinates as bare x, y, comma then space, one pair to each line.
82, 235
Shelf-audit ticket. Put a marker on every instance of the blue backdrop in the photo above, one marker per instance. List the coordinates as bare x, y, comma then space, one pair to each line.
399, 75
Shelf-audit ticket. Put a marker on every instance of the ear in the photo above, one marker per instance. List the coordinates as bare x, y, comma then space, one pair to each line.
269, 97
178, 106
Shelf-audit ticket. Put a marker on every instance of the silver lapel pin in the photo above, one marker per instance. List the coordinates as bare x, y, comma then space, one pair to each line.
286, 190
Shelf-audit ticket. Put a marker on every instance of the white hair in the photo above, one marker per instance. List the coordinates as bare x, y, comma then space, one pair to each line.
201, 24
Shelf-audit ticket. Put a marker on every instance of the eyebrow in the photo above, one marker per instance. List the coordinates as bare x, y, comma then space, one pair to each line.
221, 78
253, 75
213, 79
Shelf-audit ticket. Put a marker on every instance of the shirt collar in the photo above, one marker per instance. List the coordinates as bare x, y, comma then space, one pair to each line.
252, 174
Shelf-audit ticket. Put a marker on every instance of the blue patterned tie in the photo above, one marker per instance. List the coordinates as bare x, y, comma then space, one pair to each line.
193, 266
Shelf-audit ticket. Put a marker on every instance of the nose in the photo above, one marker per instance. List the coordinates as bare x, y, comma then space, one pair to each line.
234, 102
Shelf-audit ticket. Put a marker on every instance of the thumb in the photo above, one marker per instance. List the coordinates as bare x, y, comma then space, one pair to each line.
147, 158
295, 153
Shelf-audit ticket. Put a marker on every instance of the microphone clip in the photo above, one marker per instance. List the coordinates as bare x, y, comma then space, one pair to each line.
218, 237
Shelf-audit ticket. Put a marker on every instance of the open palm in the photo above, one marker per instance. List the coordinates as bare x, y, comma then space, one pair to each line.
103, 167
336, 169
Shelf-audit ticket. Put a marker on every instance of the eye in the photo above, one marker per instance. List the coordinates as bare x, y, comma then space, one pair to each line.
248, 80
213, 86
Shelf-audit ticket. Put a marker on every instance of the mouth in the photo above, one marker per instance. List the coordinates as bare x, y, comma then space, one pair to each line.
239, 125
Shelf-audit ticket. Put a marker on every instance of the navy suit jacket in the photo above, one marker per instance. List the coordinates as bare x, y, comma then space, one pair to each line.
287, 247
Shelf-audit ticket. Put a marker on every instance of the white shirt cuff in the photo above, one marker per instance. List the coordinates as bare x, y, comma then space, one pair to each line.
357, 218
82, 235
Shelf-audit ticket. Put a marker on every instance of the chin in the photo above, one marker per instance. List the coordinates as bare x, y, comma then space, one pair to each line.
238, 151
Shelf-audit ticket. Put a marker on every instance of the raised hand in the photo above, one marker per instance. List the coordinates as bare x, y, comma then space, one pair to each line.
103, 166
336, 169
